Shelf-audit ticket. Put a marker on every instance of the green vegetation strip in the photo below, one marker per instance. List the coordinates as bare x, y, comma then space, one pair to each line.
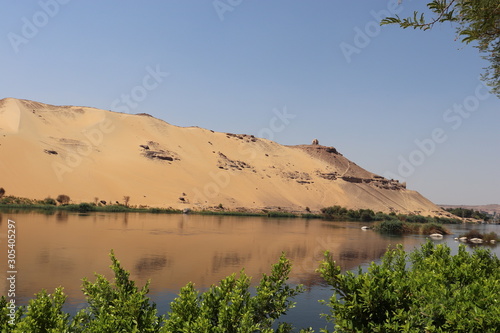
330, 213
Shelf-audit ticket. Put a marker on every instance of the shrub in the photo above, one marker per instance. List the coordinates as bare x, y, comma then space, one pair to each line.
49, 201
115, 208
44, 313
431, 293
126, 200
490, 236
334, 211
2, 192
63, 199
366, 215
230, 307
432, 228
391, 227
86, 207
418, 219
118, 306
472, 234
281, 214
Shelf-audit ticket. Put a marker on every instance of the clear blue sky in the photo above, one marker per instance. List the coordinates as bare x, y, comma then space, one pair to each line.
401, 103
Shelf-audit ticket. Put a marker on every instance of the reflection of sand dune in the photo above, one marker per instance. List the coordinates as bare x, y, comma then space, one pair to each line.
88, 153
146, 266
172, 250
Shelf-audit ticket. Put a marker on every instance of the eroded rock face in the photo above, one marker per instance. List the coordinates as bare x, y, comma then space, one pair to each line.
154, 151
228, 164
346, 170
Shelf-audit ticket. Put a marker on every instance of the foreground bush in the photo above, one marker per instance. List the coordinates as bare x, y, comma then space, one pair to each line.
428, 290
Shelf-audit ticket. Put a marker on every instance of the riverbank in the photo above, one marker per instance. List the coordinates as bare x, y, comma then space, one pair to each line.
335, 213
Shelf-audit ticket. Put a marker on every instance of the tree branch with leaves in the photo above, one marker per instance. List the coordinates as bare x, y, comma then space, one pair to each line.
477, 21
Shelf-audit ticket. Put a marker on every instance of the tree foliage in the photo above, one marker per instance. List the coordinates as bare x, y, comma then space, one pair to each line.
477, 21
229, 306
468, 213
428, 290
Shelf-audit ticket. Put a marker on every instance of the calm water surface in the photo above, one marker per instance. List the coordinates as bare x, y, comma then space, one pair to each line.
171, 250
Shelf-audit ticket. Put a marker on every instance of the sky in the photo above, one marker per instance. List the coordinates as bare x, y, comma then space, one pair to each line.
404, 104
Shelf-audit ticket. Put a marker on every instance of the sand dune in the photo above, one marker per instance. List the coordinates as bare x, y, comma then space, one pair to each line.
88, 153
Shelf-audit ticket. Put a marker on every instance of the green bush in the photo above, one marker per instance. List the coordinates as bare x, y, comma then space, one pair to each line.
432, 228
428, 290
334, 211
281, 214
391, 227
118, 306
114, 208
49, 201
472, 234
229, 306
469, 213
491, 236
397, 227
84, 207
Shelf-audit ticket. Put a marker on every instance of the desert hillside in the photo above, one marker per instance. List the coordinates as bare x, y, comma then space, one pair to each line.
88, 153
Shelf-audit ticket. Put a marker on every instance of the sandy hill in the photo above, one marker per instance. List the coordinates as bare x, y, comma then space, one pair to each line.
88, 153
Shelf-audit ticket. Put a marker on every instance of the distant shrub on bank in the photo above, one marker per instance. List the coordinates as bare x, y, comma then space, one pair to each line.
63, 199
485, 237
469, 213
281, 214
397, 227
84, 207
12, 200
49, 201
368, 215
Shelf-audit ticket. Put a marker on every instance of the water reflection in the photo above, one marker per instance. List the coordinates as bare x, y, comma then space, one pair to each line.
144, 267
171, 250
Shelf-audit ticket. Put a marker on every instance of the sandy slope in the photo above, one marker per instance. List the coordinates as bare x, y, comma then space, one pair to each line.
89, 153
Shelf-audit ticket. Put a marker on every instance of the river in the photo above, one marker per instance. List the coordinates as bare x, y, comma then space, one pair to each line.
61, 248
